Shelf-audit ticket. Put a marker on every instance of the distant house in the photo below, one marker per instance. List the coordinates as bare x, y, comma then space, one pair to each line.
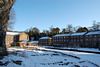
12, 38
22, 43
23, 36
33, 43
45, 41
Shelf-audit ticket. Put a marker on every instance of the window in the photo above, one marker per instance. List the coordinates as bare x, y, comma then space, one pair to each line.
86, 39
77, 36
74, 36
81, 40
86, 36
95, 36
90, 35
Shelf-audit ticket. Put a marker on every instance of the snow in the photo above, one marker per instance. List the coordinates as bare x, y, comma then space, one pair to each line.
83, 49
93, 32
95, 58
87, 49
33, 41
24, 41
74, 34
58, 35
45, 38
43, 57
12, 33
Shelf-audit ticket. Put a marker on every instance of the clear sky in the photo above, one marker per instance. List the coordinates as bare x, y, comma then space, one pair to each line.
57, 13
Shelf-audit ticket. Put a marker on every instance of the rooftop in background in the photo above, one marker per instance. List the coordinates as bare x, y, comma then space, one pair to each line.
58, 35
93, 32
12, 33
45, 38
75, 34
24, 41
33, 41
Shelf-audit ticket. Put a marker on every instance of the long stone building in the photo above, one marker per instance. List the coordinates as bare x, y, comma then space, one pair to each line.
84, 39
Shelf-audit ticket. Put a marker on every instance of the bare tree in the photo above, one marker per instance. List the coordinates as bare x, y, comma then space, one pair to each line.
12, 19
96, 25
69, 28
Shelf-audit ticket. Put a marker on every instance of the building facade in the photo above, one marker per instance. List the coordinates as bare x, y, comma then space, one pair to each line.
12, 38
61, 40
45, 41
92, 39
77, 39
84, 39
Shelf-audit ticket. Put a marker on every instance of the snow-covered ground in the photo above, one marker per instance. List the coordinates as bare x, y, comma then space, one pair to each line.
43, 57
83, 49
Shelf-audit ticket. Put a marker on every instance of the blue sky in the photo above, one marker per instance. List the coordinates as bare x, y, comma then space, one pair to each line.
57, 13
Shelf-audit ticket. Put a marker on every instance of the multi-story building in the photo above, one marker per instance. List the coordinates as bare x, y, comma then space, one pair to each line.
92, 39
77, 39
61, 40
12, 38
84, 39
45, 41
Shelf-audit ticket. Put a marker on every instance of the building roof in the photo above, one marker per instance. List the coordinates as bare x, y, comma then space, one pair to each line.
75, 34
93, 32
12, 33
24, 41
45, 38
58, 35
33, 41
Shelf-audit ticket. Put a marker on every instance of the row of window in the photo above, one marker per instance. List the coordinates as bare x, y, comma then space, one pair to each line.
68, 37
59, 40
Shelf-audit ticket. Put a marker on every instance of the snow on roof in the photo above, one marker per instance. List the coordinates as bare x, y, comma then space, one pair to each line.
45, 38
58, 35
12, 33
93, 32
33, 41
24, 41
75, 34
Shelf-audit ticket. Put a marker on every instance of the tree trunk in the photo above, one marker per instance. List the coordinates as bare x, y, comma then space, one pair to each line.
5, 6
